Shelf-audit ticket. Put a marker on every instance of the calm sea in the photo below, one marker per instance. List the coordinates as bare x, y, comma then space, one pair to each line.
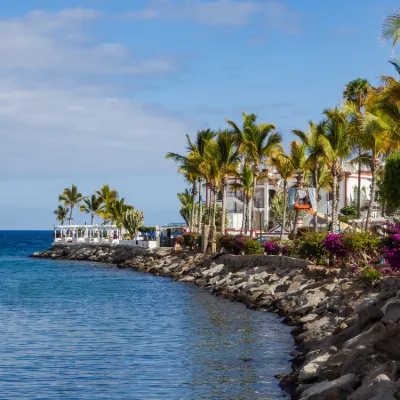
73, 330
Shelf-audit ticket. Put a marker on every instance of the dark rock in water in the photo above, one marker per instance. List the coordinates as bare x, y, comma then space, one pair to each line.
246, 359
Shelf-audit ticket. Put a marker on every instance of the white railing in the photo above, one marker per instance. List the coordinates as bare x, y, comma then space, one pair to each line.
145, 244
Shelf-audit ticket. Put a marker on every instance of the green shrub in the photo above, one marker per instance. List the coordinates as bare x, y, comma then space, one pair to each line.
253, 247
370, 275
348, 213
303, 230
362, 245
310, 246
292, 248
191, 240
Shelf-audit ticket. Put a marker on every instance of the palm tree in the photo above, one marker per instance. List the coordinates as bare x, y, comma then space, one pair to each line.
227, 159
378, 137
186, 199
391, 28
284, 165
107, 197
197, 149
92, 206
257, 143
245, 184
189, 168
312, 142
61, 214
116, 211
336, 145
356, 93
71, 197
299, 162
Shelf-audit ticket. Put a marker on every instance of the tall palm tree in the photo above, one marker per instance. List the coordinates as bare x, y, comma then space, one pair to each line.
71, 197
198, 149
189, 168
378, 137
299, 162
244, 183
257, 143
391, 28
227, 158
356, 93
312, 142
92, 205
61, 214
337, 148
284, 165
107, 197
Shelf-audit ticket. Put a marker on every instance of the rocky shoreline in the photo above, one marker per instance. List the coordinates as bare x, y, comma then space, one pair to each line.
347, 332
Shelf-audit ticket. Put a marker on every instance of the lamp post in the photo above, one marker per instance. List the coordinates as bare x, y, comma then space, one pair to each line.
259, 213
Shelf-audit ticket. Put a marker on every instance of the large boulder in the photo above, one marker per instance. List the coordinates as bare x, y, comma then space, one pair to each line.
381, 387
392, 313
388, 342
368, 315
337, 389
365, 336
309, 371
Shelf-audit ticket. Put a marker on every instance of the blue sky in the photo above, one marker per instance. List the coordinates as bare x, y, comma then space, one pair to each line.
96, 92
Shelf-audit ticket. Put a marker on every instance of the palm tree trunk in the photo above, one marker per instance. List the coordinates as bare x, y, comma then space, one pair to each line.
244, 215
372, 199
334, 199
210, 208
297, 213
284, 212
315, 182
70, 215
359, 185
223, 211
92, 219
253, 206
200, 204
248, 210
214, 228
207, 195
193, 213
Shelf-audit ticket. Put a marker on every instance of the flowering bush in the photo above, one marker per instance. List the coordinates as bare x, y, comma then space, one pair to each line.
334, 244
179, 239
227, 242
391, 248
271, 247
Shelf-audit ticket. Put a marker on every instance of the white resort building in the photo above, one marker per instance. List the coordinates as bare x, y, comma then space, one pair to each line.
266, 191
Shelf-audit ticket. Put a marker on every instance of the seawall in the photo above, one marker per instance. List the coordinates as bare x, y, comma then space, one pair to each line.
347, 332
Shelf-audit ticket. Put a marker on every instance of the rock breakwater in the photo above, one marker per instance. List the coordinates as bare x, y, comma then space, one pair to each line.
347, 332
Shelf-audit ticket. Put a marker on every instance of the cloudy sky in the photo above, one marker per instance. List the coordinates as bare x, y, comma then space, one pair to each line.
96, 92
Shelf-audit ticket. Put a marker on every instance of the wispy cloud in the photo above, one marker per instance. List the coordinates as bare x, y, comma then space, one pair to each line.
61, 107
57, 42
273, 13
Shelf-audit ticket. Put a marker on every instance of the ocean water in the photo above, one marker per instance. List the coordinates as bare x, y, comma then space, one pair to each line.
79, 330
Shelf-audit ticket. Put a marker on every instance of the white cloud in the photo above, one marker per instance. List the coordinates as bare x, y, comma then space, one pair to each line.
72, 130
60, 109
56, 42
273, 13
